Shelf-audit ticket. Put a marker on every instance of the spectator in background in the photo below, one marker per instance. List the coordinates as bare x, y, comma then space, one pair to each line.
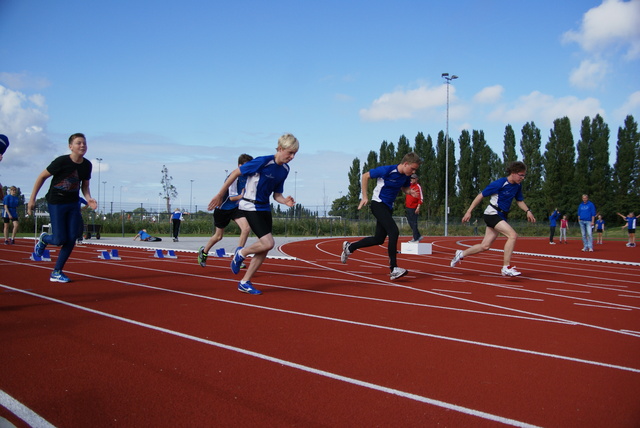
599, 229
10, 215
552, 225
586, 219
564, 227
412, 207
176, 220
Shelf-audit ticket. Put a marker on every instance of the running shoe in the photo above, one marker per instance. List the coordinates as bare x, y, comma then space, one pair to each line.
236, 261
40, 245
510, 271
58, 276
398, 272
457, 258
552, 243
247, 287
345, 252
202, 257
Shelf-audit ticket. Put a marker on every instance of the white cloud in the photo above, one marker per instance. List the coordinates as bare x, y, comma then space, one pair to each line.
20, 81
544, 109
489, 95
630, 106
24, 120
404, 104
589, 74
615, 23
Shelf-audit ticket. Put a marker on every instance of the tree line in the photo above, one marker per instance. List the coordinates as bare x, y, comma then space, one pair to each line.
557, 175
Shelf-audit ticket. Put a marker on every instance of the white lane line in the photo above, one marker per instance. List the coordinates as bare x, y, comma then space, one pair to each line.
520, 298
279, 361
27, 415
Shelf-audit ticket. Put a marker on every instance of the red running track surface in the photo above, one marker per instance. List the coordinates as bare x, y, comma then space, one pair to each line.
150, 342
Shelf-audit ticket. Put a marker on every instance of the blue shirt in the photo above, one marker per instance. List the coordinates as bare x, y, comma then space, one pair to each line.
586, 211
631, 222
264, 177
553, 217
234, 190
11, 202
502, 193
389, 183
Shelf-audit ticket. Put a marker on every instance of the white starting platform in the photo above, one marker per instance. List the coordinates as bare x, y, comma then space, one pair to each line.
415, 248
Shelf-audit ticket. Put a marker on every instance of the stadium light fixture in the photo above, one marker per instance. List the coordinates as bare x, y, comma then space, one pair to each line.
446, 162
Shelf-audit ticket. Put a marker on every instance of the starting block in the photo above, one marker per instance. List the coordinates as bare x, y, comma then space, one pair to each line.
220, 252
109, 255
171, 254
415, 248
46, 257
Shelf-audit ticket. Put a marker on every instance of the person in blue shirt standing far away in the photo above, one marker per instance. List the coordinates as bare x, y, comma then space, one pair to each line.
555, 215
586, 220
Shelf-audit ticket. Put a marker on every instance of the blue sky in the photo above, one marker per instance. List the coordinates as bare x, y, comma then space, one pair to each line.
193, 84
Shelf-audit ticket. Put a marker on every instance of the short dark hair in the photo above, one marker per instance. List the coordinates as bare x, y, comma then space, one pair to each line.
515, 167
76, 135
244, 158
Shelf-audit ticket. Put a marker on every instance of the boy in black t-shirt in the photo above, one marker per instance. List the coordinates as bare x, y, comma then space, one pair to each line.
71, 173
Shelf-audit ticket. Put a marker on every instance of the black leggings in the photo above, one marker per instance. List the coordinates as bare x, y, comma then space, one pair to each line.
385, 226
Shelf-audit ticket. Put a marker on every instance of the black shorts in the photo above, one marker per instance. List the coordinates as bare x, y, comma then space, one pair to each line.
261, 222
222, 218
599, 231
632, 231
492, 220
9, 220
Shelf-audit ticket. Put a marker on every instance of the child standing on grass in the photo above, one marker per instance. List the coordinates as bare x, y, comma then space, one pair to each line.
265, 176
10, 215
631, 227
228, 211
390, 180
71, 173
502, 192
599, 229
564, 227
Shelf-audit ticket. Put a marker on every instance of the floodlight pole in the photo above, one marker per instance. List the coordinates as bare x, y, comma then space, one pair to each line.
99, 163
446, 161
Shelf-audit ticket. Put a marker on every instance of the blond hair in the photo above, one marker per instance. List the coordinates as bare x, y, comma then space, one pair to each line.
288, 142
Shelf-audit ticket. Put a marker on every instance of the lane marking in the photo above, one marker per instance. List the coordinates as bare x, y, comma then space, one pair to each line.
279, 361
25, 414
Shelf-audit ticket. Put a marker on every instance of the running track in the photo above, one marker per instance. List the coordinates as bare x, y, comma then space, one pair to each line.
165, 343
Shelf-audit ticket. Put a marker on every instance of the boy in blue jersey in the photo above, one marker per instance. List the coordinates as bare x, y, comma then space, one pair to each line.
390, 180
228, 211
501, 193
265, 176
631, 227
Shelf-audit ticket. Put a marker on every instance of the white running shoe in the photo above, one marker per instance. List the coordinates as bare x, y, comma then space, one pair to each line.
345, 252
398, 273
510, 271
457, 258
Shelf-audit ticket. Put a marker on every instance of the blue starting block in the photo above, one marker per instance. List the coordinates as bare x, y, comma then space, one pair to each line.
46, 257
220, 252
171, 254
109, 255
